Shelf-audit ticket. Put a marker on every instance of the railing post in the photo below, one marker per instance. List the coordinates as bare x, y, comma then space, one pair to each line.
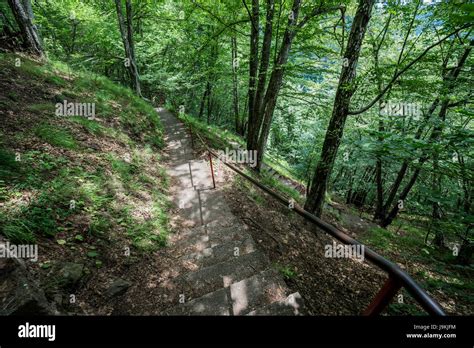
212, 169
383, 297
192, 139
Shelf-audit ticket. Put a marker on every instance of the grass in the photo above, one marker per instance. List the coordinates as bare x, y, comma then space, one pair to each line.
55, 136
41, 107
286, 271
433, 268
92, 126
36, 191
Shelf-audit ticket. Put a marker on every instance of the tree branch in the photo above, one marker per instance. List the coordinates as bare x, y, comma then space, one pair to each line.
401, 72
318, 11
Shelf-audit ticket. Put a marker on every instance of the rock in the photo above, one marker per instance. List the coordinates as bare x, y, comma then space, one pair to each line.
70, 273
118, 287
19, 293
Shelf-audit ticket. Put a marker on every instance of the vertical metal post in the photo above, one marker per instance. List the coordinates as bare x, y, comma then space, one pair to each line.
383, 297
192, 139
212, 169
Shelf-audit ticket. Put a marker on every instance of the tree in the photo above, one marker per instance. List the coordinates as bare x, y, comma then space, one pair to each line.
126, 31
334, 133
23, 14
262, 102
239, 126
450, 80
344, 93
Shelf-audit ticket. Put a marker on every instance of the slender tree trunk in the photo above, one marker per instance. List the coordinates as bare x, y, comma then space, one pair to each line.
359, 196
381, 129
450, 80
262, 76
466, 186
436, 212
74, 24
203, 99
345, 90
23, 14
235, 88
209, 104
274, 85
127, 39
253, 71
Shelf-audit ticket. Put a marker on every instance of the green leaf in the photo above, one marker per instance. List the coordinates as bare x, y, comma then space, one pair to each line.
92, 253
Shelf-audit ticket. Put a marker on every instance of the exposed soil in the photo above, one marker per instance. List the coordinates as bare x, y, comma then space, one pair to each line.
329, 286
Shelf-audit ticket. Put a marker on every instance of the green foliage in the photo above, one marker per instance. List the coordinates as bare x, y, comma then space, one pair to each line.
287, 271
46, 195
55, 136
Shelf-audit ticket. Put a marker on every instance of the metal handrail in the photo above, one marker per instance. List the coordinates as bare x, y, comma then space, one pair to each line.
397, 277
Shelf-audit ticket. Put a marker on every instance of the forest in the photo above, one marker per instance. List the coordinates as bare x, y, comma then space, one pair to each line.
359, 112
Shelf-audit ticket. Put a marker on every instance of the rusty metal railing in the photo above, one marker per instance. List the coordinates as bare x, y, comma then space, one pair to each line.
397, 278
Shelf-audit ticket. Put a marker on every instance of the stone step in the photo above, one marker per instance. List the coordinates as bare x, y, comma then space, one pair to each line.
211, 236
201, 174
220, 253
224, 274
212, 229
214, 206
292, 305
214, 303
257, 291
229, 221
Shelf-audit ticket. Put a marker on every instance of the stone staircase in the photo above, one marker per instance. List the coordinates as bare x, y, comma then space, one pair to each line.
229, 275
233, 277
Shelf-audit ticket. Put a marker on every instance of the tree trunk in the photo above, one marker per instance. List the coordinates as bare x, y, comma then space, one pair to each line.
127, 39
209, 104
203, 100
23, 14
274, 85
436, 209
359, 196
235, 88
345, 90
262, 77
253, 70
450, 80
465, 254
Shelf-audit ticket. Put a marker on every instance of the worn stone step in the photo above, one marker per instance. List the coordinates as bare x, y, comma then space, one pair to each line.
214, 303
229, 221
291, 305
220, 253
214, 206
224, 274
195, 241
214, 228
201, 175
257, 291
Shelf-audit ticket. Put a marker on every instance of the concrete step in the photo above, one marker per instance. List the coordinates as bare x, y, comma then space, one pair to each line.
214, 303
292, 305
201, 174
223, 274
221, 253
215, 231
257, 291
214, 206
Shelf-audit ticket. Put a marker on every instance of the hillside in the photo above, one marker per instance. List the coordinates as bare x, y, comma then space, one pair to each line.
88, 190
